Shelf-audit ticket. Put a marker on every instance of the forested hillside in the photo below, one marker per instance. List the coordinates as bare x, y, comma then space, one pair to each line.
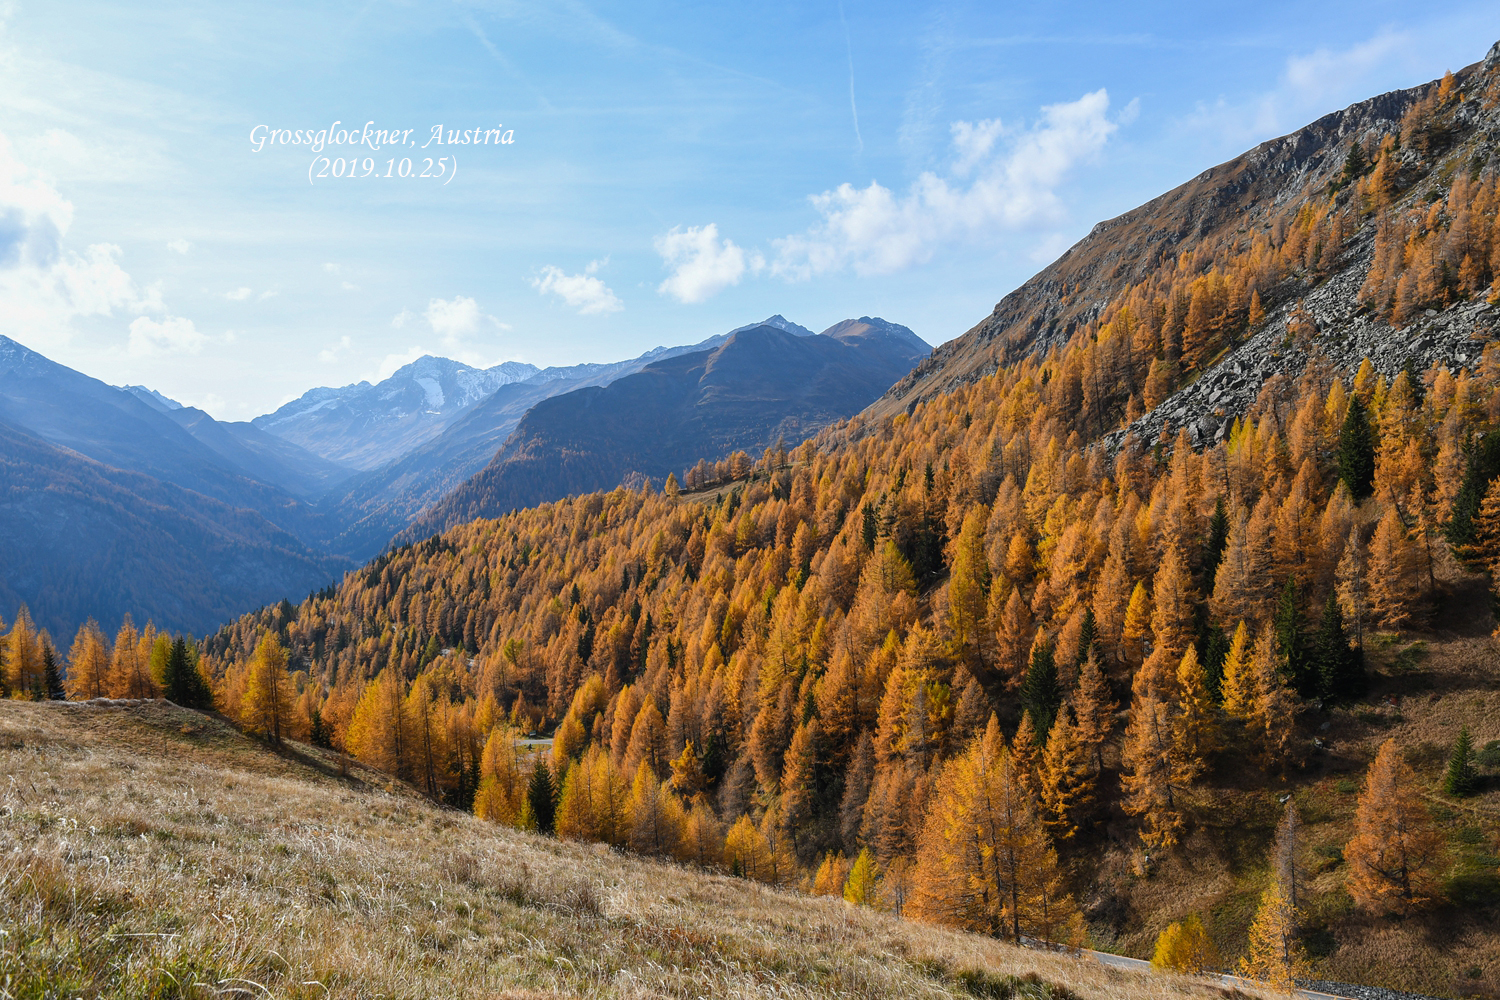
997, 661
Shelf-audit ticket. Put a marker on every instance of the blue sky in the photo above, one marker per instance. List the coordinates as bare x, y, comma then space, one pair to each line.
676, 170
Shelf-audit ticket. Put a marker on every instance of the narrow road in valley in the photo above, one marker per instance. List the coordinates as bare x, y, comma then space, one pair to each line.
1123, 962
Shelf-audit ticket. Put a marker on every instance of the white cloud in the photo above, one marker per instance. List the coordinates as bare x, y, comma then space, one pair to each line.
329, 354
454, 320
332, 268
238, 295
179, 246
269, 293
348, 286
584, 292
173, 335
458, 322
702, 265
43, 285
875, 231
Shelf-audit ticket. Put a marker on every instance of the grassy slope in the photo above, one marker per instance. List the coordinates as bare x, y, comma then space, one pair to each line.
1450, 679
145, 850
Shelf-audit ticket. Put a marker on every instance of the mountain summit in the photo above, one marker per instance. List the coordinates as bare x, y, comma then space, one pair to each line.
365, 426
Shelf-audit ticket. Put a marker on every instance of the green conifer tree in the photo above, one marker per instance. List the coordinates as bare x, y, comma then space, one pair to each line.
52, 685
1462, 779
1339, 667
1040, 693
1291, 641
541, 796
1356, 451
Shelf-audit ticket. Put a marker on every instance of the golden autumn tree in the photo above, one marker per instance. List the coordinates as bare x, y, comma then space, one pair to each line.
23, 656
1185, 947
502, 780
1172, 600
378, 732
129, 672
1238, 684
88, 663
266, 708
1155, 774
859, 887
655, 816
984, 863
1395, 851
1094, 708
1274, 957
1065, 777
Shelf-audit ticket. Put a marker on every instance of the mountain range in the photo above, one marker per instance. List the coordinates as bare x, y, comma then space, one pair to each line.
124, 500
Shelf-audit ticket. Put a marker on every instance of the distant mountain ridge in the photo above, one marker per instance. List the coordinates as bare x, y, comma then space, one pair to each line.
365, 426
374, 506
760, 383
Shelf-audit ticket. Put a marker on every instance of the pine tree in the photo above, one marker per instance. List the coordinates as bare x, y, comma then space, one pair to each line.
1274, 957
1461, 778
1291, 640
1395, 849
52, 685
541, 796
1339, 666
1356, 451
184, 685
266, 708
1040, 694
1217, 541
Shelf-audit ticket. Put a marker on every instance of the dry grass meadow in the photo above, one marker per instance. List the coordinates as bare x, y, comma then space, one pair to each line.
148, 851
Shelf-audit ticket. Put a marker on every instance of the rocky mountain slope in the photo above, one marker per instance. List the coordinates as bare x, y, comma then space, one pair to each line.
762, 384
1236, 202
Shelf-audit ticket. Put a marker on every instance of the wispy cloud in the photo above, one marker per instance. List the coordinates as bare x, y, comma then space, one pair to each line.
1309, 85
172, 335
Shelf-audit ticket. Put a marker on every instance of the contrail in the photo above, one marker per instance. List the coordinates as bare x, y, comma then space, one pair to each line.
853, 108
